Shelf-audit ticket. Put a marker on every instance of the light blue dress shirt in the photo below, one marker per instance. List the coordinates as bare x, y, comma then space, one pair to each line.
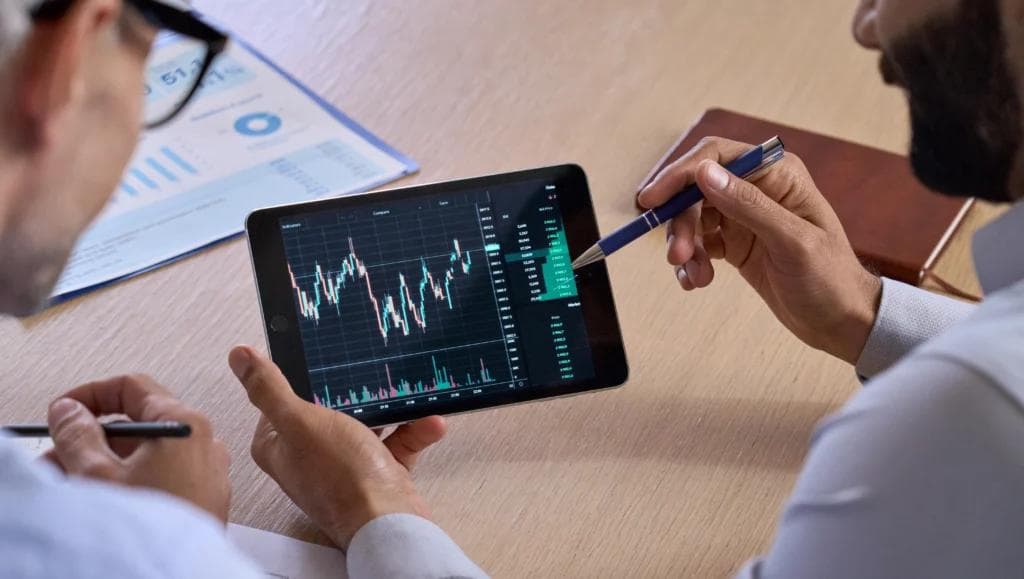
53, 527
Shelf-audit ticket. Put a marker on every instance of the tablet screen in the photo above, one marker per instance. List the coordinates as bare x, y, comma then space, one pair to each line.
422, 300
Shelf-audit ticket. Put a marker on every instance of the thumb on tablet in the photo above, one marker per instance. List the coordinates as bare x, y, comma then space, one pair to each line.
268, 389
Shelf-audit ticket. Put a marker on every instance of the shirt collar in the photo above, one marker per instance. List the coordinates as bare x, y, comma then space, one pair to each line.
999, 251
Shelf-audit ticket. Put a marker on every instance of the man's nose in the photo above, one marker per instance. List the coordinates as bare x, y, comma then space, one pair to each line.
865, 24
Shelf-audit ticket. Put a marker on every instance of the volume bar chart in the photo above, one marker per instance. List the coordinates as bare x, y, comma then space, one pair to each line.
442, 380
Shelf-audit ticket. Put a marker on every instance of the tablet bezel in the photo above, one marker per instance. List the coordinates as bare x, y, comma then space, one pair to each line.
280, 317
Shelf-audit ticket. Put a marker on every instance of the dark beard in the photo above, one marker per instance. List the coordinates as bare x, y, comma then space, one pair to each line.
964, 107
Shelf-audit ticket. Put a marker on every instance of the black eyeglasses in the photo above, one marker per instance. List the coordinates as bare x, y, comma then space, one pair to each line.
175, 81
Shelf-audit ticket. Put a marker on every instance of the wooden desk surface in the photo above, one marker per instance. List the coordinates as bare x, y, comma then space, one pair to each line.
681, 473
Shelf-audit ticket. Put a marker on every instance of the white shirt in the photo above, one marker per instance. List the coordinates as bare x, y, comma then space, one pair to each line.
55, 527
52, 527
920, 474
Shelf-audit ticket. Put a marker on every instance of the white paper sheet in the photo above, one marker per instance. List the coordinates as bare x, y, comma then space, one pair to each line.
253, 137
282, 557
34, 446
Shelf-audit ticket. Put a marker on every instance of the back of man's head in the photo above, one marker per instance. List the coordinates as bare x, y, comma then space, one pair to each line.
70, 110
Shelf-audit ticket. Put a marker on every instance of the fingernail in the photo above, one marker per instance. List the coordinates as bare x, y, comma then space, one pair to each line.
671, 240
681, 274
63, 408
642, 195
240, 360
717, 177
691, 269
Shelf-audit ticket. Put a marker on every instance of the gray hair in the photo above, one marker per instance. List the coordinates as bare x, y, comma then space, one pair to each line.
13, 24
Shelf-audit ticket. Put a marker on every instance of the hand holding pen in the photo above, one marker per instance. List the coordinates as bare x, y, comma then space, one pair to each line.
782, 236
749, 165
193, 468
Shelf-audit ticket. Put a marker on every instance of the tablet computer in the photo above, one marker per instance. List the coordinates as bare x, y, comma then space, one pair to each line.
437, 299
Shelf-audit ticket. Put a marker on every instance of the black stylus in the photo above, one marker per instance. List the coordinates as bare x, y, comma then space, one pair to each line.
111, 429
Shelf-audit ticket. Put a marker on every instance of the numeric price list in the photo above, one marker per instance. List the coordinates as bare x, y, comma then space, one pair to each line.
545, 297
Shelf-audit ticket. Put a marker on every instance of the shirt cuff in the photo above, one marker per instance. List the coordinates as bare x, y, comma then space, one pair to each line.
403, 546
907, 317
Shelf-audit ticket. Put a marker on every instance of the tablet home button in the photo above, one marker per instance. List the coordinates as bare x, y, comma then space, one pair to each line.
279, 324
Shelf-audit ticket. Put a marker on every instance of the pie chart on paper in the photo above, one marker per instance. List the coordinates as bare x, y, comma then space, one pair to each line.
258, 124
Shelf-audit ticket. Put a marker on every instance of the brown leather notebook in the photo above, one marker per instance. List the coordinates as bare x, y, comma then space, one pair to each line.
897, 226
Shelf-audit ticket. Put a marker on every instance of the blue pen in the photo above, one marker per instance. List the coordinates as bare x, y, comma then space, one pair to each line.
747, 166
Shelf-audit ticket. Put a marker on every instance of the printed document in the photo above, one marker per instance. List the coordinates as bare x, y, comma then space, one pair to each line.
252, 137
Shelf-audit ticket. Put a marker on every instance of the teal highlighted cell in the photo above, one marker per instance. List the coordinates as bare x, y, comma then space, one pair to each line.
492, 247
556, 267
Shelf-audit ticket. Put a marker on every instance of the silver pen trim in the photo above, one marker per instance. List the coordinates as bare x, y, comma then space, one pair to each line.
647, 220
592, 255
772, 151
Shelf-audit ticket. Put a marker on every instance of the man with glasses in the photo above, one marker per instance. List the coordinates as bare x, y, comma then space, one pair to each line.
73, 97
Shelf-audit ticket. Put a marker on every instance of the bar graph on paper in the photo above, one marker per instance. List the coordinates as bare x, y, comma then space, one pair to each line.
397, 308
154, 175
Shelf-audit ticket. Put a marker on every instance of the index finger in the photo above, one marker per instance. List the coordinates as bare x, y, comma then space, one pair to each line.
131, 395
683, 172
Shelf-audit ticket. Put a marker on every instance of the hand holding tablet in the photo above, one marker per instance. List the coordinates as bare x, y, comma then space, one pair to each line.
438, 299
337, 471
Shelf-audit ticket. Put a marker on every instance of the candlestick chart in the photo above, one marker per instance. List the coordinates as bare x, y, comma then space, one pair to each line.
396, 305
391, 314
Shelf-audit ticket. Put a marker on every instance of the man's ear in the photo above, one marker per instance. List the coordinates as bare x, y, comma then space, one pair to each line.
54, 61
865, 24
